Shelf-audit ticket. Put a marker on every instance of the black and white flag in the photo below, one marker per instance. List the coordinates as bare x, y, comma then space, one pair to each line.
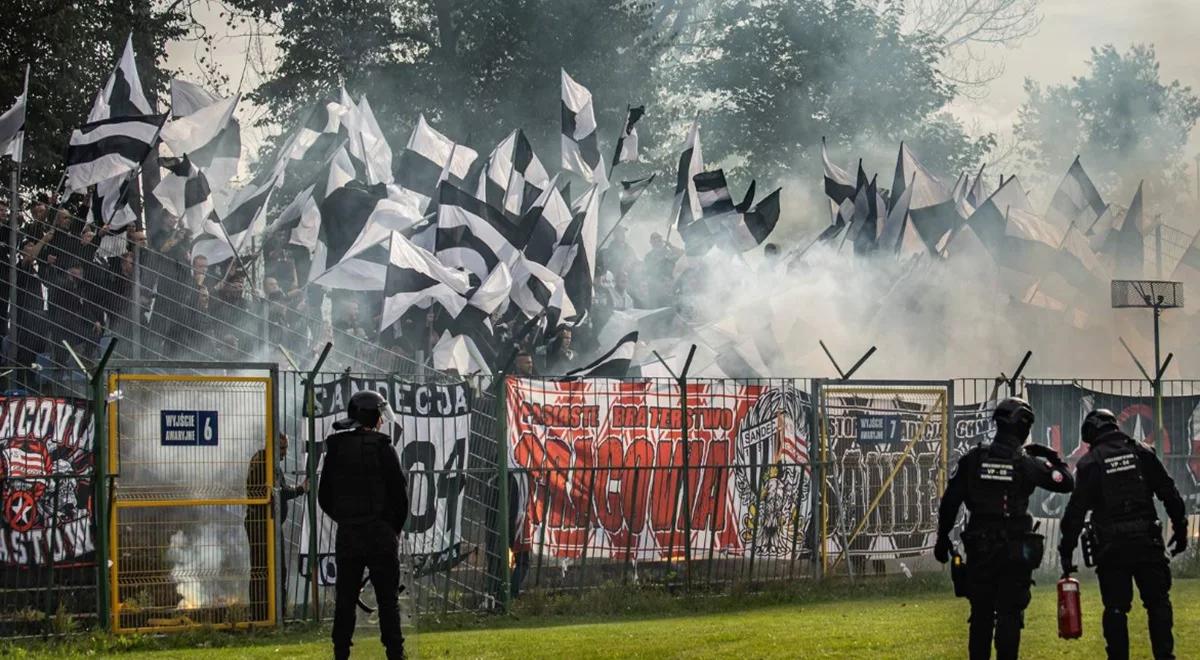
122, 94
430, 158
627, 143
203, 128
632, 190
838, 185
323, 130
472, 234
613, 364
227, 235
513, 177
353, 227
109, 148
416, 278
184, 192
580, 145
723, 224
686, 207
541, 229
575, 257
12, 126
1076, 200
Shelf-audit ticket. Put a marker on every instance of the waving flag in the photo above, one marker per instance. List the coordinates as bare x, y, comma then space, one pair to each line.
627, 143
613, 364
580, 145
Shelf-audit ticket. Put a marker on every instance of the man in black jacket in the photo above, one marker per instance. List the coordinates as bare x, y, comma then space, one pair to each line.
995, 481
363, 490
1117, 481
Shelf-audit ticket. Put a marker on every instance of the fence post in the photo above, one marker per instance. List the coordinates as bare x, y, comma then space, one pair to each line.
817, 521
100, 485
502, 488
687, 482
310, 468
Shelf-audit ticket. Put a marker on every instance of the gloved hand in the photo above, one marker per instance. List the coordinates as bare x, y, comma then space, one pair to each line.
1043, 451
1064, 559
1179, 539
941, 550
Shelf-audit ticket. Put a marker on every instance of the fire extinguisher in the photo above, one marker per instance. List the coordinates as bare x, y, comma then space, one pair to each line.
1070, 617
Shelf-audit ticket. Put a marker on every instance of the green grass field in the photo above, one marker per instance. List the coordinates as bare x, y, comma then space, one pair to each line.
916, 625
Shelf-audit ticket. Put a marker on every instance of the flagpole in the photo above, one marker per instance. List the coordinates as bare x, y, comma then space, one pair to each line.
13, 229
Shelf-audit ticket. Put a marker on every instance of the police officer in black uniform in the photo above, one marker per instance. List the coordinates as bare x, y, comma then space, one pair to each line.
363, 490
995, 481
1118, 478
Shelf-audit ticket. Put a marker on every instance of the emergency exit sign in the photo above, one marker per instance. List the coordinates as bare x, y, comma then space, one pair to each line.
189, 428
879, 429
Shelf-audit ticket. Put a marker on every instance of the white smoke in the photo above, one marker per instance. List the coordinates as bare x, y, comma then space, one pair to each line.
203, 560
208, 551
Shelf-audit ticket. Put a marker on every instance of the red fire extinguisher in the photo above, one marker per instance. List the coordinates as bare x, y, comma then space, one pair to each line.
1070, 617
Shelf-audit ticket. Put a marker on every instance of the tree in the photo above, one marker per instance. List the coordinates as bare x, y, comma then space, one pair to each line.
966, 28
476, 68
1119, 117
72, 47
780, 74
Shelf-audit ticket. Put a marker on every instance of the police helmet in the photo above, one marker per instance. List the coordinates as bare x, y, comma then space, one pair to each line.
1014, 416
365, 410
1097, 423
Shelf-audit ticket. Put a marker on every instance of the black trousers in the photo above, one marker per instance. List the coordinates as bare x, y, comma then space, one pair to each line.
374, 547
1117, 573
999, 594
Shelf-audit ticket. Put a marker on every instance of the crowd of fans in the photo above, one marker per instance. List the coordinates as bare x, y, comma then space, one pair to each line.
79, 286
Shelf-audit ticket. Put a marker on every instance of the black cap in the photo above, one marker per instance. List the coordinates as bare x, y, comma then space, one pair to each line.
364, 410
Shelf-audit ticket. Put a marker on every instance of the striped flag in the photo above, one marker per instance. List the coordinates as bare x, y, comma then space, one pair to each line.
109, 148
580, 144
627, 143
415, 277
632, 190
513, 177
613, 364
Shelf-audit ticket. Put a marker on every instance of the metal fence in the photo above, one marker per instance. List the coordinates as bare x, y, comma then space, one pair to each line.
542, 485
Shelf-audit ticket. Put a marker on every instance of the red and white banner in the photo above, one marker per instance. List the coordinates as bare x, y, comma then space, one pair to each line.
601, 464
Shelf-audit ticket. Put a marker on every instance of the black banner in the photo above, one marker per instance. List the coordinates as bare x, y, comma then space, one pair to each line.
405, 398
1060, 410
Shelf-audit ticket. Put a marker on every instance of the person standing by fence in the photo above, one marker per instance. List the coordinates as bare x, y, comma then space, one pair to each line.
1118, 480
363, 490
995, 481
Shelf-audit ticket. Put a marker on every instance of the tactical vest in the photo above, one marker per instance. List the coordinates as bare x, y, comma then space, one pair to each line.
360, 495
995, 485
1125, 495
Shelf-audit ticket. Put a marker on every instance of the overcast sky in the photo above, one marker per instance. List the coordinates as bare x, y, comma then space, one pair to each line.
1058, 51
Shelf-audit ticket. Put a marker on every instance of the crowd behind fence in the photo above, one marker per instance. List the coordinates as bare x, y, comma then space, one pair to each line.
607, 483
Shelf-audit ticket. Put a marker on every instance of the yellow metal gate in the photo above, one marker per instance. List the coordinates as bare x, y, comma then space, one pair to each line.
191, 532
884, 448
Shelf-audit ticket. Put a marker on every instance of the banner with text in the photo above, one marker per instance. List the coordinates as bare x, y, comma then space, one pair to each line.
605, 467
46, 482
430, 437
